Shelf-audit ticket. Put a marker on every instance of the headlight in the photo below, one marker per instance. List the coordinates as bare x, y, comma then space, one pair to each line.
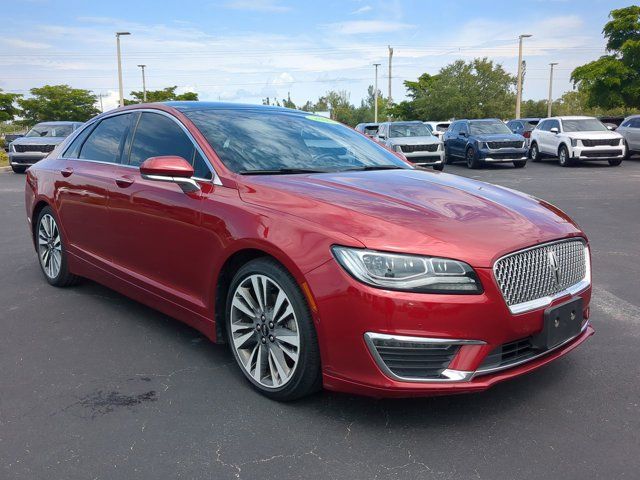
408, 272
574, 142
397, 148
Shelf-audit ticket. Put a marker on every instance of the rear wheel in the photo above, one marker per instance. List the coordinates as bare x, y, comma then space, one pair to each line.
271, 332
615, 162
535, 152
51, 250
472, 161
18, 169
563, 157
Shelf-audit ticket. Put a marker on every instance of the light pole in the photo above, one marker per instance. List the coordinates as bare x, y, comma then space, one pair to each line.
375, 95
144, 84
550, 88
118, 35
519, 85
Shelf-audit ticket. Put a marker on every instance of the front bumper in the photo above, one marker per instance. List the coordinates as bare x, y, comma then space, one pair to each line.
25, 159
425, 158
598, 153
349, 314
502, 155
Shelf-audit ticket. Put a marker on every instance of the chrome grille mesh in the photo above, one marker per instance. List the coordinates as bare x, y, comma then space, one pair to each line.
528, 275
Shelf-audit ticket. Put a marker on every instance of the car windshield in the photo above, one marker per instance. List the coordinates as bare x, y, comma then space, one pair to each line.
409, 130
488, 128
372, 130
442, 127
50, 131
252, 141
584, 125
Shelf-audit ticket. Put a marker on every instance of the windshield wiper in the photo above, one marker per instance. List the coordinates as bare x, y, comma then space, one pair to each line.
280, 171
367, 168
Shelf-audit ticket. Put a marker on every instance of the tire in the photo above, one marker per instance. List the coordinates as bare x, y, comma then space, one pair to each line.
472, 161
520, 163
615, 162
439, 167
18, 169
534, 153
448, 160
51, 250
563, 157
255, 331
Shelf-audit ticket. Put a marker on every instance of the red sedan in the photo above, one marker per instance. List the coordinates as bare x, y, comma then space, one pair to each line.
320, 257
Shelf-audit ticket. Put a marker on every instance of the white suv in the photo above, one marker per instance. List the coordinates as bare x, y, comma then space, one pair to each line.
576, 138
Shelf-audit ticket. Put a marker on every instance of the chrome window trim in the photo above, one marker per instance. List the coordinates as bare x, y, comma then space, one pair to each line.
449, 374
486, 371
215, 180
547, 300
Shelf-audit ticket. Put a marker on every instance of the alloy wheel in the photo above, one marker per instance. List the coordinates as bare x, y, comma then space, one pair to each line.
264, 331
49, 246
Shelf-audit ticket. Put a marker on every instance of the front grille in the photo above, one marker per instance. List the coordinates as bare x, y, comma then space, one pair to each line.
34, 148
611, 142
419, 148
509, 354
421, 160
510, 144
533, 273
601, 153
415, 360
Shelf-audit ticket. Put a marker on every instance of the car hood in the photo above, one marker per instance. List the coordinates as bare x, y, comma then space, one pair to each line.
499, 137
38, 140
415, 211
596, 135
414, 140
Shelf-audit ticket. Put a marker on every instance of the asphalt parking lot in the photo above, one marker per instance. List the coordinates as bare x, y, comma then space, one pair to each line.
96, 386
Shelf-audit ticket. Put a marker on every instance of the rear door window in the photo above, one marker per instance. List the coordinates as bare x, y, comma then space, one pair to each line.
105, 142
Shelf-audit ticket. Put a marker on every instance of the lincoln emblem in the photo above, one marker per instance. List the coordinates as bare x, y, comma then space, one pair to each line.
553, 265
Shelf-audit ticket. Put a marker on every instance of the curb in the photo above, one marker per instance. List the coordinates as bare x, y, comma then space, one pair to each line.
5, 169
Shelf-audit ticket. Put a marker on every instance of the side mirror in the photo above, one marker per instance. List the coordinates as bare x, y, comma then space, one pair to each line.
382, 137
170, 169
463, 134
611, 127
554, 130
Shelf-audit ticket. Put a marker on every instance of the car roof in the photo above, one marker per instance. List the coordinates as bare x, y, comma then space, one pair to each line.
572, 117
61, 122
478, 120
367, 124
197, 105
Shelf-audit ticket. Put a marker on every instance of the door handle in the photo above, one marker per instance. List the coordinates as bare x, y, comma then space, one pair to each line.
124, 182
66, 171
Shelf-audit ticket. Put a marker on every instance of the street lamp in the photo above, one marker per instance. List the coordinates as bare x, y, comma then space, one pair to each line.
144, 84
118, 35
550, 88
375, 95
519, 85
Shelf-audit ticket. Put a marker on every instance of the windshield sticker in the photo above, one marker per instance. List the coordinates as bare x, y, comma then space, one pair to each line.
317, 118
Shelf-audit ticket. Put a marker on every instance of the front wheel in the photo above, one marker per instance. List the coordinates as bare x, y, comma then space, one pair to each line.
615, 162
271, 332
563, 157
472, 161
520, 163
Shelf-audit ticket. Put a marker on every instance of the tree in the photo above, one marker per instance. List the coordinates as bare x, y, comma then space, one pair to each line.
57, 102
534, 108
474, 89
614, 80
8, 108
165, 95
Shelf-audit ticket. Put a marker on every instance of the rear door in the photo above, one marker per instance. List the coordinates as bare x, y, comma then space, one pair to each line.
86, 176
542, 132
633, 134
554, 139
158, 241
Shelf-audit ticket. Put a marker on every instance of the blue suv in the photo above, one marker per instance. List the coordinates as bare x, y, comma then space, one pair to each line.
480, 141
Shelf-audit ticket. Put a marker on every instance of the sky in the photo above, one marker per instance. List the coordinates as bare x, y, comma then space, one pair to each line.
246, 50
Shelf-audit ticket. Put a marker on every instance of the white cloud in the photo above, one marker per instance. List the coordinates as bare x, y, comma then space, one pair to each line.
363, 9
257, 5
357, 27
17, 43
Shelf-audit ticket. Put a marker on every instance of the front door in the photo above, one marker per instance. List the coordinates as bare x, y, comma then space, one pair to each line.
158, 241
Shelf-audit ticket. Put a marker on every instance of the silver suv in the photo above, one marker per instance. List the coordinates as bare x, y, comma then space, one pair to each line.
415, 141
630, 130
